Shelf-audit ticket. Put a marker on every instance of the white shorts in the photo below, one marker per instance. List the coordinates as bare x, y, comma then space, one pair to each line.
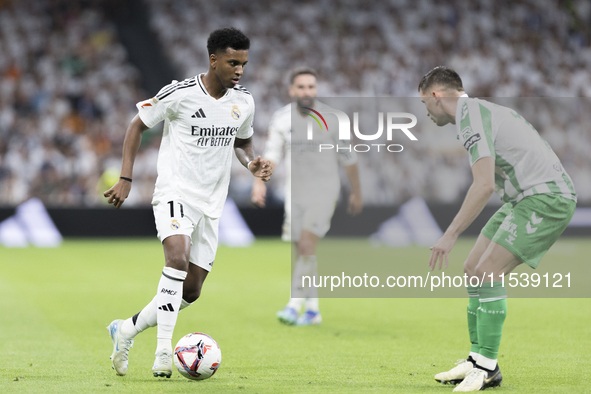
313, 217
178, 217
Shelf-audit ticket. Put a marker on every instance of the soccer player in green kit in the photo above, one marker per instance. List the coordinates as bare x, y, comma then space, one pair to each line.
507, 156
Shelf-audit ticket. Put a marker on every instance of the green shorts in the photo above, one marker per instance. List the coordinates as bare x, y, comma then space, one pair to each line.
530, 227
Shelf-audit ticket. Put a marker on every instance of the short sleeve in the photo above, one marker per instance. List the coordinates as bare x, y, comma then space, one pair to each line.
246, 129
275, 141
475, 131
156, 109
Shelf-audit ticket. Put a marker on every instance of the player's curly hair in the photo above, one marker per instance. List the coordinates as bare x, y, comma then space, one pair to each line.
228, 37
301, 71
441, 76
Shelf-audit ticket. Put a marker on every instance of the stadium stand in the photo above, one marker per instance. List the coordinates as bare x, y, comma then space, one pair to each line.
67, 88
67, 93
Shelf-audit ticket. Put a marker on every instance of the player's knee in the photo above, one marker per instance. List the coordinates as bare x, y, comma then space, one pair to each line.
178, 261
302, 250
469, 268
480, 270
306, 248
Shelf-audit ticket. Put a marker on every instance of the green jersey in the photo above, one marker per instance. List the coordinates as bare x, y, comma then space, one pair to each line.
525, 164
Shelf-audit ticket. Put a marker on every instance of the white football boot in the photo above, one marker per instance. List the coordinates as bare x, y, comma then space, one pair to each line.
473, 382
163, 363
121, 346
456, 374
478, 379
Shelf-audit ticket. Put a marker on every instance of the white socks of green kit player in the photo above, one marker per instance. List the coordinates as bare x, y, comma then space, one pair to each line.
305, 266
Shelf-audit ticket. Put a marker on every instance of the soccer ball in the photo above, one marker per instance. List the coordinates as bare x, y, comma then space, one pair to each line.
197, 356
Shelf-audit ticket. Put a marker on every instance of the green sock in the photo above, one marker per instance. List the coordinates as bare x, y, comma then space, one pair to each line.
473, 304
491, 316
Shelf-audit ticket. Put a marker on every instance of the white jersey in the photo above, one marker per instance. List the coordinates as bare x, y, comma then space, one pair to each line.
525, 164
198, 141
316, 173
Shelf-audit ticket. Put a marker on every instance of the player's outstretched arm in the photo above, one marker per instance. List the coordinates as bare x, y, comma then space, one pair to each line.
133, 137
478, 195
355, 199
258, 167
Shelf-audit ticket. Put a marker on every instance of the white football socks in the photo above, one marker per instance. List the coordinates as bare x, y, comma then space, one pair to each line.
305, 266
312, 293
486, 362
168, 300
311, 305
296, 303
185, 304
145, 319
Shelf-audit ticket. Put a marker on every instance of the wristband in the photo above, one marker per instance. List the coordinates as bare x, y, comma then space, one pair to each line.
248, 165
125, 179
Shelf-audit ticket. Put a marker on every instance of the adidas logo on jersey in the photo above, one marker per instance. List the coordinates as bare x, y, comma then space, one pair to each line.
167, 308
199, 114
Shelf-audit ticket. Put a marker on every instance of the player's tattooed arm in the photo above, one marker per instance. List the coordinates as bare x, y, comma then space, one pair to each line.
258, 167
133, 137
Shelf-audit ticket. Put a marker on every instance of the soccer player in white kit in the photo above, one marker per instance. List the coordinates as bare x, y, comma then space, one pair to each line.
206, 118
310, 204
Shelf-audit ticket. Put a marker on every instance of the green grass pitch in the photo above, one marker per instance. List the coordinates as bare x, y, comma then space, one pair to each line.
56, 303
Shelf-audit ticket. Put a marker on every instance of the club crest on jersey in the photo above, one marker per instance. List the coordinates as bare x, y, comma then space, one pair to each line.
175, 225
235, 112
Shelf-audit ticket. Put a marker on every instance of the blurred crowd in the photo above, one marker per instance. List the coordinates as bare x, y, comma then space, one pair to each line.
68, 89
500, 48
67, 92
